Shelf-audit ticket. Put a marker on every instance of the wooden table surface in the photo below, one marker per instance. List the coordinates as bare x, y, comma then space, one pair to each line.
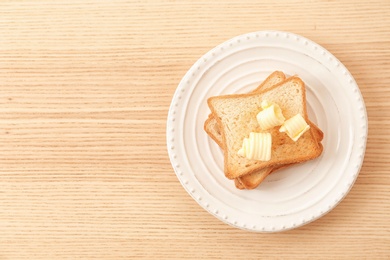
85, 88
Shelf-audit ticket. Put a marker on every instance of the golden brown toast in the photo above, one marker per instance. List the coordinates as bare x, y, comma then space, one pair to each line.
236, 117
251, 181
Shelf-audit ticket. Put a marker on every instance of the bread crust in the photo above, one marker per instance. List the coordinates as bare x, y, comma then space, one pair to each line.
239, 184
209, 133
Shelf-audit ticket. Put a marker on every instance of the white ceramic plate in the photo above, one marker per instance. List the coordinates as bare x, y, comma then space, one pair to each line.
292, 197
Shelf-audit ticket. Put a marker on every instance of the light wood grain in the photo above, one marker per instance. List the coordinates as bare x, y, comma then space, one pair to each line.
85, 88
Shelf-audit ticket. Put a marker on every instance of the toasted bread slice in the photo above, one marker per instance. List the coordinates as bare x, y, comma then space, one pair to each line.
211, 125
212, 129
251, 181
236, 117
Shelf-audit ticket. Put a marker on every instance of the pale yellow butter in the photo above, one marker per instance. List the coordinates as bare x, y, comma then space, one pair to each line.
257, 147
295, 127
270, 116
